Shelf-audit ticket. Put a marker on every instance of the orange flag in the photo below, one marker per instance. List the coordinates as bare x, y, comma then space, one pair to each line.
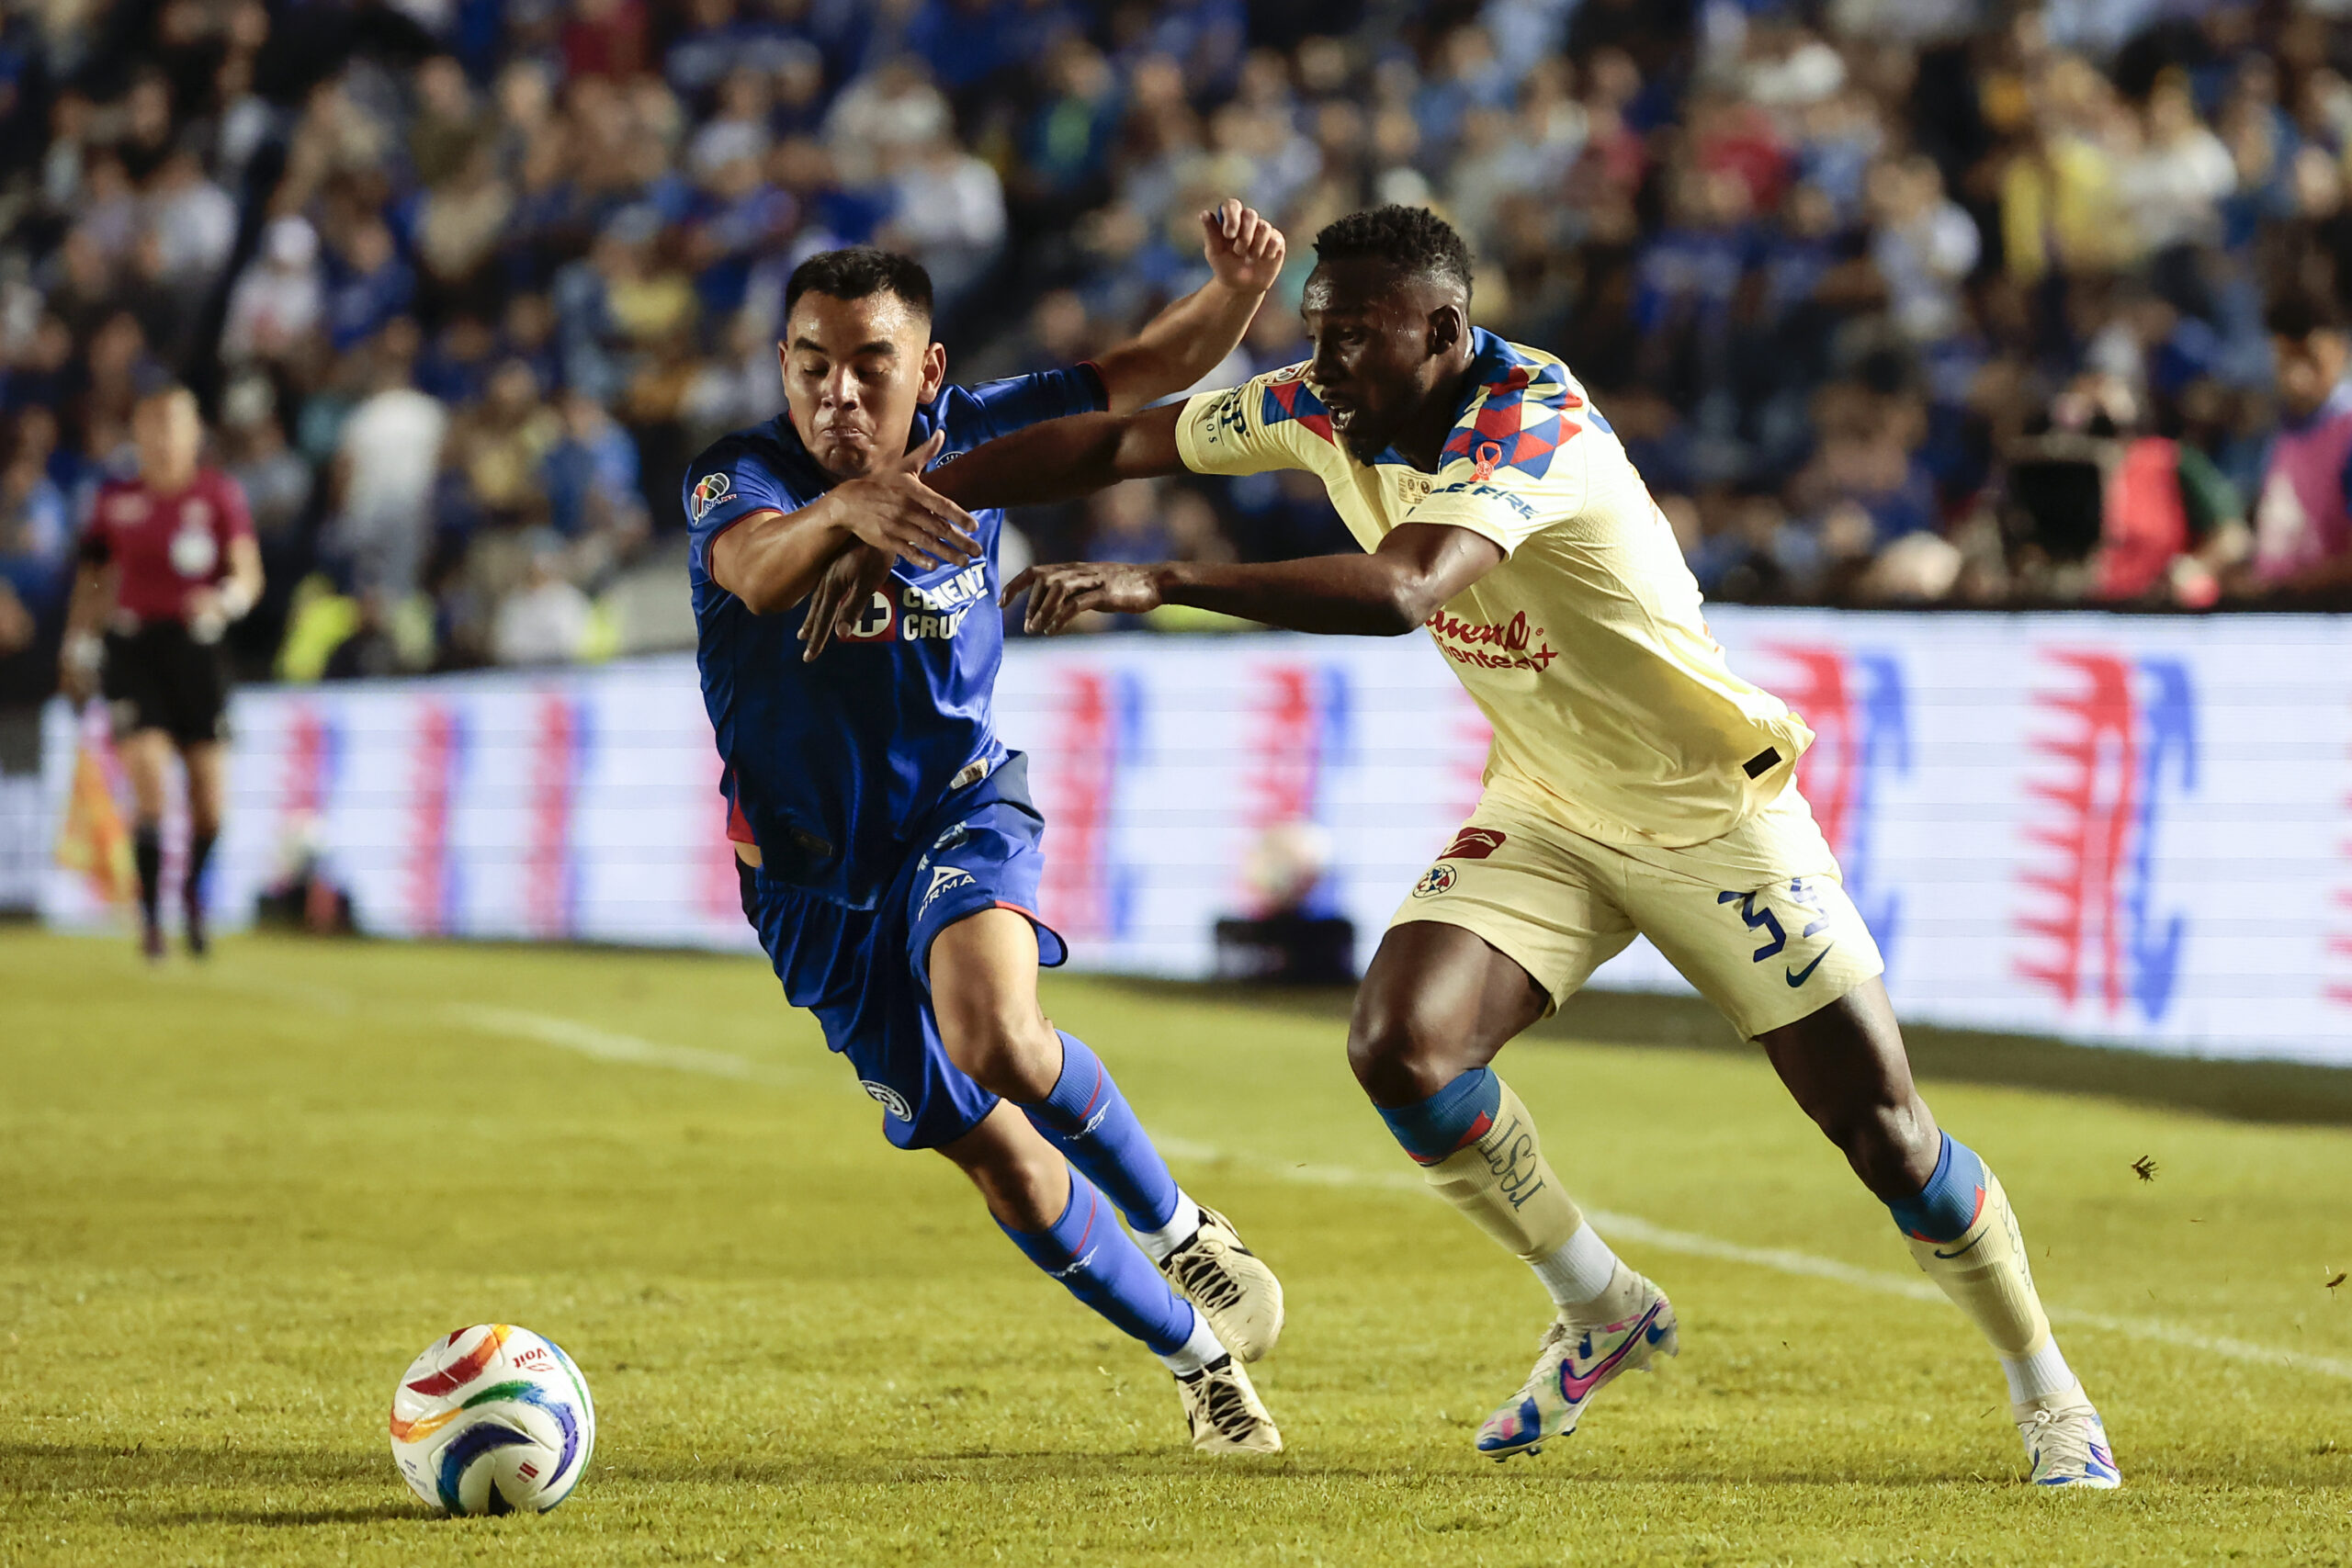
94, 840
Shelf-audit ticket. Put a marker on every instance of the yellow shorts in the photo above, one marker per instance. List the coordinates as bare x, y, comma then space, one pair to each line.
1757, 920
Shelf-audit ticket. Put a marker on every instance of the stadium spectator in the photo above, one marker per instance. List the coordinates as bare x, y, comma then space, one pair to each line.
2111, 511
2302, 524
948, 213
388, 455
1822, 266
545, 620
279, 300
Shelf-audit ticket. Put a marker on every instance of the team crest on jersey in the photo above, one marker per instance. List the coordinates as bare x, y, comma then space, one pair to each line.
194, 552
709, 491
1435, 881
879, 622
888, 1098
1474, 843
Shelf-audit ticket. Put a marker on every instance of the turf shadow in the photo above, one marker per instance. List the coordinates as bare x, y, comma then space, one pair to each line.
274, 1519
834, 1472
36, 1469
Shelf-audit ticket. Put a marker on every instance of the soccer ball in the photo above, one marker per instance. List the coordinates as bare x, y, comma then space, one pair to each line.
491, 1420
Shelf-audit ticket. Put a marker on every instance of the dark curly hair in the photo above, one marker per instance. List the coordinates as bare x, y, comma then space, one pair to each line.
2299, 314
858, 272
1415, 241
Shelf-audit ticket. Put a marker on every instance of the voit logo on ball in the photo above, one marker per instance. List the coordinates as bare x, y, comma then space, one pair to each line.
2114, 748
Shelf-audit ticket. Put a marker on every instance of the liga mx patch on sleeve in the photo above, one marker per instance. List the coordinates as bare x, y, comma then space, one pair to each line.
709, 491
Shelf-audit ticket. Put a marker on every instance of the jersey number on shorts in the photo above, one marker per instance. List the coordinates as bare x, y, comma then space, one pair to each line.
1759, 921
1765, 920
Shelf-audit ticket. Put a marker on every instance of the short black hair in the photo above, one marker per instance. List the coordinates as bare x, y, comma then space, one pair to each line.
2299, 314
857, 272
1414, 240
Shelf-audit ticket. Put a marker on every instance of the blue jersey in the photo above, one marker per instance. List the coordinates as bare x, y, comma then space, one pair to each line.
834, 765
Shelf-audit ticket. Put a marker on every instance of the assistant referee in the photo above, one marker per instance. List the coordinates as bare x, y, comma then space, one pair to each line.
167, 561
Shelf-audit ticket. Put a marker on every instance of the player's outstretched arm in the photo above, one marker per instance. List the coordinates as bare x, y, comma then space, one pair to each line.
1191, 337
771, 560
1063, 459
1417, 568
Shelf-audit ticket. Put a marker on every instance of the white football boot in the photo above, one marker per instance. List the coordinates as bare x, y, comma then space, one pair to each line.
1572, 1364
2067, 1446
1230, 1284
1224, 1412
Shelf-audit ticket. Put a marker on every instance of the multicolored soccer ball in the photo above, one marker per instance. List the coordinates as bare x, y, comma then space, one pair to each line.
493, 1419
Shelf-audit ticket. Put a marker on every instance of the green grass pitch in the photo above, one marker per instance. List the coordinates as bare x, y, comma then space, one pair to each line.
235, 1201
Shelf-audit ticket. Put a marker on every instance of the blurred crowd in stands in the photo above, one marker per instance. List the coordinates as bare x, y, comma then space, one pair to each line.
1908, 301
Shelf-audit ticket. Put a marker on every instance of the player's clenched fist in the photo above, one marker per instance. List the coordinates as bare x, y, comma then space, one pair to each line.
1244, 251
895, 512
1059, 594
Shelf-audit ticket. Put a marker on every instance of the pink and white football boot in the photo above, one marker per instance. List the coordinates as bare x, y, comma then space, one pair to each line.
1572, 1364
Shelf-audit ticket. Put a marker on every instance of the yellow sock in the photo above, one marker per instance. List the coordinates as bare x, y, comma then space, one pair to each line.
1505, 1187
1986, 1272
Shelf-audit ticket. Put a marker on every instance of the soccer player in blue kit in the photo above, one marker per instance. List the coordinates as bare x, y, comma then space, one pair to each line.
890, 849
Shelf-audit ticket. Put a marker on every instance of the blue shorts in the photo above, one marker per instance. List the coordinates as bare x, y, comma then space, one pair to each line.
866, 973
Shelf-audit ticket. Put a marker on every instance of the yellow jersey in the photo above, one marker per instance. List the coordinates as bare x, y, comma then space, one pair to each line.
1614, 712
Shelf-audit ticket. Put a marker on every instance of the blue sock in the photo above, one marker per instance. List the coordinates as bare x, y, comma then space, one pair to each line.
1087, 1251
1091, 1121
1951, 1200
1451, 1120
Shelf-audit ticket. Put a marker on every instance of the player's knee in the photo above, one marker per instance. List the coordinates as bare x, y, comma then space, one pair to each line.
1008, 1051
1400, 1054
1890, 1144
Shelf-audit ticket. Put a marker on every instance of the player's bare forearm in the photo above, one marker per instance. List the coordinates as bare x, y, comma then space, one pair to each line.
1191, 337
93, 596
1177, 347
1063, 459
771, 560
79, 656
1387, 593
1335, 595
244, 570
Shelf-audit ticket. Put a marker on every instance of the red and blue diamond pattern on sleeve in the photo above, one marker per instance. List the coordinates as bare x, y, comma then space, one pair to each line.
1520, 420
1288, 400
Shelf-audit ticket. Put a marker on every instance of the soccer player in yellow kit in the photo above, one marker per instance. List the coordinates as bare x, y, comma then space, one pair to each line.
1636, 785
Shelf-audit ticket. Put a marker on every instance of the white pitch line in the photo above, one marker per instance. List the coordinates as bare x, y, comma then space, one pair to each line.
1783, 1260
545, 1029
604, 1045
